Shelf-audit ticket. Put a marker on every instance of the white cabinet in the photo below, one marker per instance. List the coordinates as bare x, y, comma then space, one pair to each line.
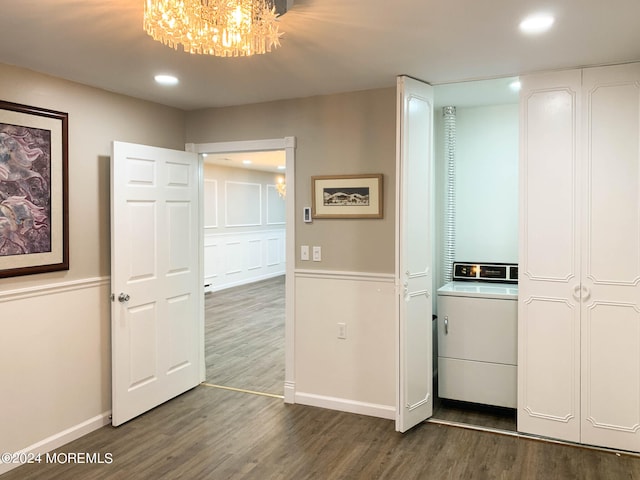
579, 287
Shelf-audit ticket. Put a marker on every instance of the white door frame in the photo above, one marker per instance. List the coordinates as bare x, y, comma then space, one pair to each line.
288, 144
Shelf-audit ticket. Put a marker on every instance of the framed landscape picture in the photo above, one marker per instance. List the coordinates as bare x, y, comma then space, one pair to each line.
347, 196
34, 226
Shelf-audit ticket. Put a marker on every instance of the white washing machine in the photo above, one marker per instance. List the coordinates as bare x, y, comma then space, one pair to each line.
478, 335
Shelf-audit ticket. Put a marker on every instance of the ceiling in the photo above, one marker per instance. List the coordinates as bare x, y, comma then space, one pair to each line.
329, 46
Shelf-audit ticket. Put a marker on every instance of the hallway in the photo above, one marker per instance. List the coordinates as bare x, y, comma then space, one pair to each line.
244, 336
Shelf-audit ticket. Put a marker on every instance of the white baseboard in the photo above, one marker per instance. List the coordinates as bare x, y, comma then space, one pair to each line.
344, 405
289, 392
59, 439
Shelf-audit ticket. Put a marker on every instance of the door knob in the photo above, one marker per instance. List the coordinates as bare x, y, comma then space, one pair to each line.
577, 292
123, 297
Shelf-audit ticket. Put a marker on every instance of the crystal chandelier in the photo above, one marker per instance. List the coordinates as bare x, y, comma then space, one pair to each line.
224, 28
281, 187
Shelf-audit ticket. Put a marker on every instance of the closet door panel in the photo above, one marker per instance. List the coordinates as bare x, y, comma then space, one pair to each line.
611, 258
548, 307
549, 190
613, 173
551, 357
611, 375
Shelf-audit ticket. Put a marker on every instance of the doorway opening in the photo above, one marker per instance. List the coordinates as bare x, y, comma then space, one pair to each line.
476, 221
248, 210
244, 263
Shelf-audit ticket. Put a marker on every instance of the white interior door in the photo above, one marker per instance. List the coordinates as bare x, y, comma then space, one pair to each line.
155, 277
414, 276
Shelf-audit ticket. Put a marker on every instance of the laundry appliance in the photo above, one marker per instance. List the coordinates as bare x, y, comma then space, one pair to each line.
477, 334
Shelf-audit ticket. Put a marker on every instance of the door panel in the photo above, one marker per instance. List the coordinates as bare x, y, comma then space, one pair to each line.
611, 258
613, 172
413, 263
548, 368
155, 266
549, 125
548, 308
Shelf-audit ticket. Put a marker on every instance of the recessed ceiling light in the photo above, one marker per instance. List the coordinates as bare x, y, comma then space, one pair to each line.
166, 79
538, 23
515, 85
246, 162
281, 167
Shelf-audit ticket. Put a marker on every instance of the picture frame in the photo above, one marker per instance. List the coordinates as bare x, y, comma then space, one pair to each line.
347, 196
34, 197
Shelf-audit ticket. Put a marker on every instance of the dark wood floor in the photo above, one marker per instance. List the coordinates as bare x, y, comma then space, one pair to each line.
209, 433
476, 415
244, 336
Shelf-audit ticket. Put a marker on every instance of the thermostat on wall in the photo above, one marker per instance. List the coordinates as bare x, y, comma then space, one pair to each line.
306, 214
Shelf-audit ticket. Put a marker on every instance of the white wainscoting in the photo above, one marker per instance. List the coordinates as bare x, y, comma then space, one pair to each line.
232, 259
56, 358
353, 374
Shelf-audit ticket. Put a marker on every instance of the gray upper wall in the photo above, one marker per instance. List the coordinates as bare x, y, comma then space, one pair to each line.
96, 119
350, 133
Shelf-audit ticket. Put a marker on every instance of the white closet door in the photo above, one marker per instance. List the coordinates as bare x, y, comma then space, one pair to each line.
611, 258
549, 284
414, 276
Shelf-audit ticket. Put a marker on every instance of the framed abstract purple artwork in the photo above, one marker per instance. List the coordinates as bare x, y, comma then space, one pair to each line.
34, 224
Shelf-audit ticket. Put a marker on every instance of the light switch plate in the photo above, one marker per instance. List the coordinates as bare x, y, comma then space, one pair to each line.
306, 214
317, 254
304, 252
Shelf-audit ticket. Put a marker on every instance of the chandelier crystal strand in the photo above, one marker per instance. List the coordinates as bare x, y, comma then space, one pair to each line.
224, 28
281, 187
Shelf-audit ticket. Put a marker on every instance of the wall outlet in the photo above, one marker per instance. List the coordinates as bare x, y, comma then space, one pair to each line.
342, 330
304, 252
317, 254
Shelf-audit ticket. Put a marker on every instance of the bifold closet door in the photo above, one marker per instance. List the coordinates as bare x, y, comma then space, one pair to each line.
548, 305
414, 274
610, 288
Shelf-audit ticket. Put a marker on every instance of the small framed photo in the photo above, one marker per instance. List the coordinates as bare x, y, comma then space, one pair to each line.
347, 196
34, 228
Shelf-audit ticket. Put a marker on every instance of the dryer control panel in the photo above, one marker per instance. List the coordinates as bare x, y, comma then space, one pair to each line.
486, 272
